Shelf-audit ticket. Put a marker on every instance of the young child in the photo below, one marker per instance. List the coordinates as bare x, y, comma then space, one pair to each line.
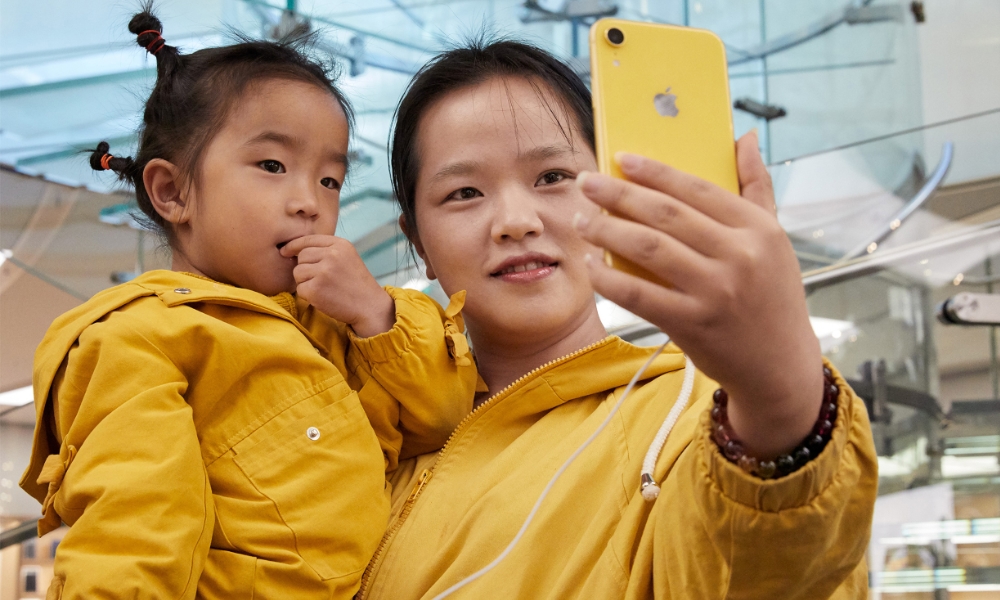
204, 431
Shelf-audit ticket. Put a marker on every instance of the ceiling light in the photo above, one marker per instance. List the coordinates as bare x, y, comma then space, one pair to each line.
17, 397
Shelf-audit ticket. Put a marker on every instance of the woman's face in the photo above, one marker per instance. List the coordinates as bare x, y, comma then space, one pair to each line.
495, 199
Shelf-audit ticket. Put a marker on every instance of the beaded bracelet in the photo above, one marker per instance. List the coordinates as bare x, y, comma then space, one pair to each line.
732, 448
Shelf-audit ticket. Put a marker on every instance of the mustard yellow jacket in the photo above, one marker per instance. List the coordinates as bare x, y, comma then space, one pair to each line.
713, 533
202, 439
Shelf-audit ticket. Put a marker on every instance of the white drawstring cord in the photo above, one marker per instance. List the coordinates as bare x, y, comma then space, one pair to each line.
650, 490
552, 482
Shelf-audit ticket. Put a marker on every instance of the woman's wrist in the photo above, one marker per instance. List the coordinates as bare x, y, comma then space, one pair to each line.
775, 413
787, 462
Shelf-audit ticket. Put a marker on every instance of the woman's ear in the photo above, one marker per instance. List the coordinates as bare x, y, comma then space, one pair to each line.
162, 180
415, 240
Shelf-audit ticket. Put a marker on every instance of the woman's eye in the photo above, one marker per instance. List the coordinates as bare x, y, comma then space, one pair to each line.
551, 177
330, 183
465, 193
272, 166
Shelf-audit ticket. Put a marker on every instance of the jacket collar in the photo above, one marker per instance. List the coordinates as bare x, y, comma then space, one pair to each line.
176, 289
605, 365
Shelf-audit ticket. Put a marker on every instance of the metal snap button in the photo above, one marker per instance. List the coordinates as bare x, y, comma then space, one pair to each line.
312, 433
182, 291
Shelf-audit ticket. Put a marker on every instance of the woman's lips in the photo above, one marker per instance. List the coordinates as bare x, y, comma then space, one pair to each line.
526, 273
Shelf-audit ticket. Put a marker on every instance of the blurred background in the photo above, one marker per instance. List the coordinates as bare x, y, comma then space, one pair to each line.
880, 122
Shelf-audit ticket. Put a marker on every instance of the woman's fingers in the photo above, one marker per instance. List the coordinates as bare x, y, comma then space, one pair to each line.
706, 197
755, 181
658, 253
650, 301
655, 209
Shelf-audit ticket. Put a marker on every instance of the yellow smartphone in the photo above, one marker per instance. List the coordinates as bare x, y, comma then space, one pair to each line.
661, 91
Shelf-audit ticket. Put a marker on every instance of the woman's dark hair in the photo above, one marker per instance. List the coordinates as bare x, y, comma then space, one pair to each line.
463, 67
193, 95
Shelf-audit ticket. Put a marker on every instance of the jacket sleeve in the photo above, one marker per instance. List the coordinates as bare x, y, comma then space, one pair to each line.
802, 536
129, 478
416, 381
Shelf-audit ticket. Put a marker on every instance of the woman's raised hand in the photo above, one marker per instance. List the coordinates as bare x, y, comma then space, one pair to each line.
734, 302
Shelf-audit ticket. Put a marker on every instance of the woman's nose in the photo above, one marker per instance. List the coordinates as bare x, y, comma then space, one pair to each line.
516, 217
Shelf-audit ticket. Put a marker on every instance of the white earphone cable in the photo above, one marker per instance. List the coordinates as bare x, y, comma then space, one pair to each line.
569, 461
650, 490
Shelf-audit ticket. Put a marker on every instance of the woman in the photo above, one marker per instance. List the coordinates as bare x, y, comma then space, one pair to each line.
493, 165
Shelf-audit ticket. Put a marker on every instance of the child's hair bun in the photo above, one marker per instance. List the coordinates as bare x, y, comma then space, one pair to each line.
147, 29
101, 160
98, 155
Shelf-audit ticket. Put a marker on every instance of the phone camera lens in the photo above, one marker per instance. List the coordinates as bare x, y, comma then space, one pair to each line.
615, 36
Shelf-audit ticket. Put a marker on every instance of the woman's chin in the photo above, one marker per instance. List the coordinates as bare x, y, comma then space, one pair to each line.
527, 323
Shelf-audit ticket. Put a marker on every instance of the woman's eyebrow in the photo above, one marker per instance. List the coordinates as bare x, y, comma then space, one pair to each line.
539, 153
465, 167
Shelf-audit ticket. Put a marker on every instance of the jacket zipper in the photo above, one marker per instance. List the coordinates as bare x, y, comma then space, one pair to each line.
426, 474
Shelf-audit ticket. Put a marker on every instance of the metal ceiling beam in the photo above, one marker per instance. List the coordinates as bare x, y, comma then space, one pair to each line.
926, 191
351, 28
799, 36
71, 83
43, 56
868, 265
378, 239
409, 13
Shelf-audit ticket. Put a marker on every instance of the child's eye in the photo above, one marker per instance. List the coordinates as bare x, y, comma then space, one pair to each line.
551, 177
272, 166
330, 183
465, 193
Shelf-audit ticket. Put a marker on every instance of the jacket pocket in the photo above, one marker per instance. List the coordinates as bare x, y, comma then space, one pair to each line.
322, 468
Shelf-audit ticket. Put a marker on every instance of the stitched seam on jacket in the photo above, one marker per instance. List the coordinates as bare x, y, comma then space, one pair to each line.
278, 408
281, 517
193, 577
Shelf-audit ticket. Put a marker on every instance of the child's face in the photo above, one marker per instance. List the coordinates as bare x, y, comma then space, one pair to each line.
495, 199
271, 174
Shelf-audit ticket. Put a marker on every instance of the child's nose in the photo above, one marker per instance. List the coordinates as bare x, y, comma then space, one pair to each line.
304, 202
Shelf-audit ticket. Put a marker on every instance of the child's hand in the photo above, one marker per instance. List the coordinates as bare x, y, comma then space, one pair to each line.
331, 276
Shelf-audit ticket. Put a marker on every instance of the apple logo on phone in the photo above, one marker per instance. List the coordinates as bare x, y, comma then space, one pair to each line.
666, 104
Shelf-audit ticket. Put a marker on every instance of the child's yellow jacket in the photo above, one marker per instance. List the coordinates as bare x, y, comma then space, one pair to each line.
205, 439
713, 533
